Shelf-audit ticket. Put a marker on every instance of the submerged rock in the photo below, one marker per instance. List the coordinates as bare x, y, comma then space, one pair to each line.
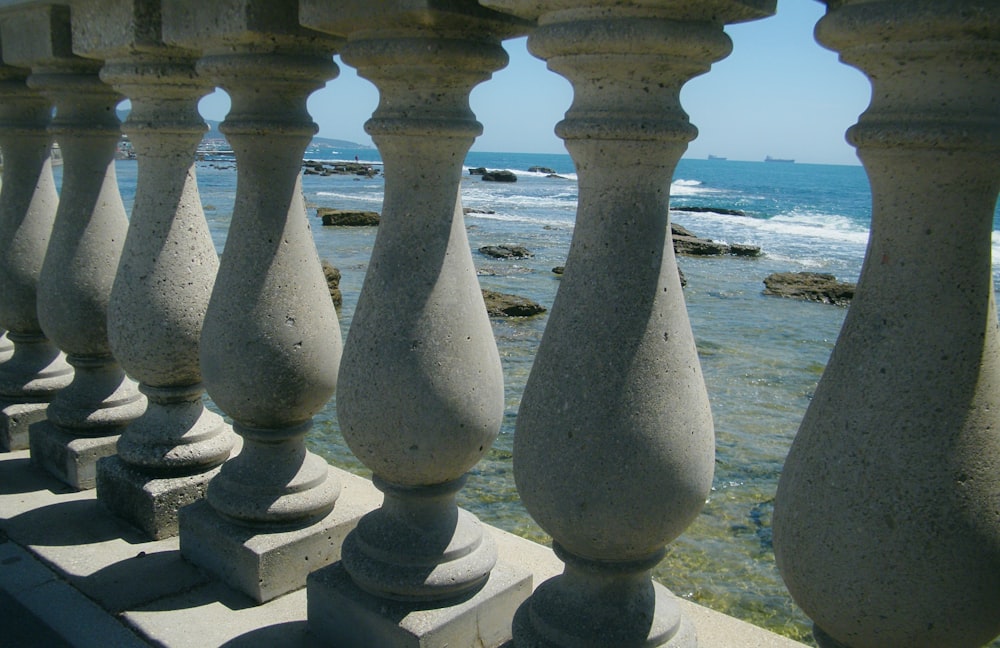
813, 286
710, 210
348, 217
687, 243
332, 275
506, 251
541, 169
500, 304
500, 176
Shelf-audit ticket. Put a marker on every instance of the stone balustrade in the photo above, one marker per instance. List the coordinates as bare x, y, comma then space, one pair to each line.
885, 525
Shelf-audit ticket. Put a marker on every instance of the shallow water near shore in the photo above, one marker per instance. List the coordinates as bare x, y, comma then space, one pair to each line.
761, 356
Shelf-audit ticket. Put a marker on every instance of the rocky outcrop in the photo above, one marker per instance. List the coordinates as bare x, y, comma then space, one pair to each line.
474, 210
500, 176
500, 304
477, 171
710, 210
688, 244
541, 169
348, 217
332, 275
506, 251
813, 286
312, 167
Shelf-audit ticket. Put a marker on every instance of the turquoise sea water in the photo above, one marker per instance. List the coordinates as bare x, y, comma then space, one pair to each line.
761, 356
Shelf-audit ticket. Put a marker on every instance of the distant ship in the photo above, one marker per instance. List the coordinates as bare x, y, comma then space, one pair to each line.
782, 160
715, 157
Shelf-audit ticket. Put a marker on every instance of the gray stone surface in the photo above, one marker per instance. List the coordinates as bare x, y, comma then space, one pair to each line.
886, 529
71, 458
59, 534
148, 502
15, 422
262, 564
343, 615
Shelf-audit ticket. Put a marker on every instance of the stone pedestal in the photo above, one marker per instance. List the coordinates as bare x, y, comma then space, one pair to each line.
339, 609
15, 422
262, 565
69, 457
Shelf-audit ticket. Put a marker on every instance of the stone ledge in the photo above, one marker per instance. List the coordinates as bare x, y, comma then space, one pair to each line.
99, 563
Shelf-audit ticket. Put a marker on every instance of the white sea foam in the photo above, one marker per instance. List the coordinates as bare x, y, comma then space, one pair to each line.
690, 188
374, 197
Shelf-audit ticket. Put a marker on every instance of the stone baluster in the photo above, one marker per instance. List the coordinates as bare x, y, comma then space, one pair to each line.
421, 388
271, 341
885, 525
37, 369
614, 445
167, 456
84, 418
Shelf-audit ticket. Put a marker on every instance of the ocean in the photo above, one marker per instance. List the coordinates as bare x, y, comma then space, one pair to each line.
761, 356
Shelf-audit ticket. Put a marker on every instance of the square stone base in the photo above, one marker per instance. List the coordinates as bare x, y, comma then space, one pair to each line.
15, 420
343, 615
71, 459
260, 564
149, 503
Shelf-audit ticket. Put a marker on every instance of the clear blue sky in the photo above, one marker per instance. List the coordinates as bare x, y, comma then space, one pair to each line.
779, 93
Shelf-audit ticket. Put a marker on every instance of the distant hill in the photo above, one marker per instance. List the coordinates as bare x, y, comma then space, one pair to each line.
213, 133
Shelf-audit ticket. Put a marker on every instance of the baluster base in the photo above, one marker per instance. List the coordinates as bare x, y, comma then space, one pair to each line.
593, 604
15, 421
147, 502
342, 614
69, 458
263, 563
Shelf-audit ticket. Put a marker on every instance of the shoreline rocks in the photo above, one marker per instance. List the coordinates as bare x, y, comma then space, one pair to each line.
499, 176
506, 251
312, 167
688, 244
332, 274
347, 217
812, 286
500, 304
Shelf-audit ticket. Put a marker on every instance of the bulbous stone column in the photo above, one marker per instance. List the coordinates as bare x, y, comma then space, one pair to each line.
421, 388
85, 418
37, 370
885, 524
271, 341
614, 445
167, 456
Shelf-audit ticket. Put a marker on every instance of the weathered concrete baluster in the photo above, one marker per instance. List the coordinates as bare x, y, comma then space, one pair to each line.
30, 378
271, 341
614, 447
885, 525
421, 389
167, 456
85, 418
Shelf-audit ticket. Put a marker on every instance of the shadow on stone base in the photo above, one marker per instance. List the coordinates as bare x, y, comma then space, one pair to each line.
15, 420
69, 458
341, 614
148, 503
262, 565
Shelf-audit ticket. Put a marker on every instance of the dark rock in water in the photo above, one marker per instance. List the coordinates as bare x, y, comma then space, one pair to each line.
477, 171
680, 274
814, 286
558, 270
741, 249
694, 246
348, 217
332, 275
312, 167
473, 210
506, 251
499, 176
687, 243
710, 210
504, 305
541, 169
